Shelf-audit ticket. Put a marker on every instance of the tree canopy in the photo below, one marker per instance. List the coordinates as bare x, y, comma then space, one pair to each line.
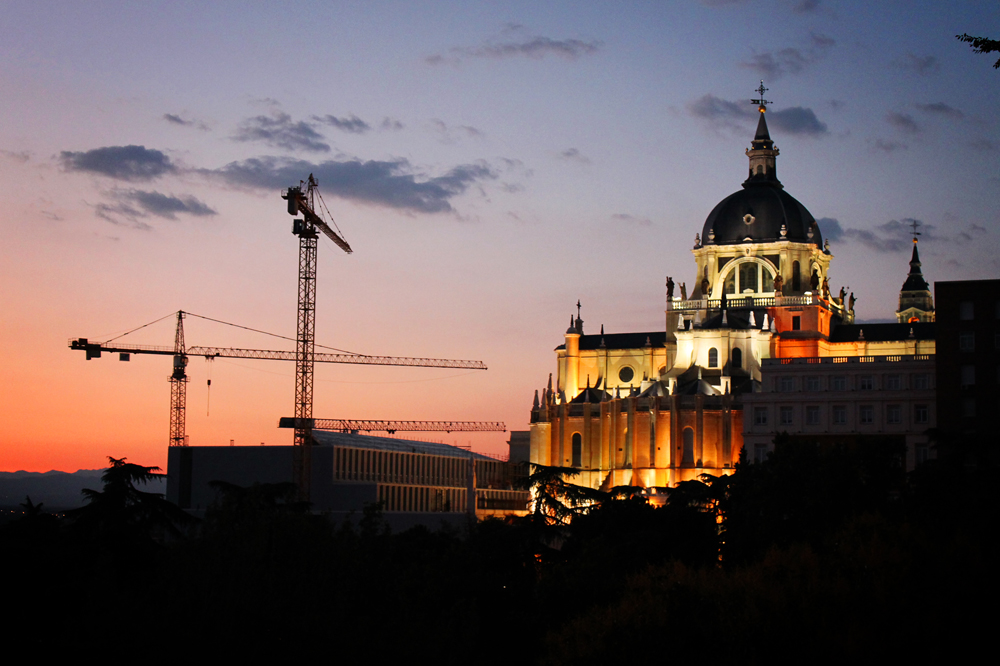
982, 45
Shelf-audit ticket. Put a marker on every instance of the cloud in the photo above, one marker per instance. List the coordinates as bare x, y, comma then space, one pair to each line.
723, 114
632, 220
280, 131
892, 236
806, 6
390, 124
536, 48
830, 228
775, 64
166, 206
393, 184
130, 163
174, 119
574, 155
941, 109
922, 65
351, 124
22, 156
720, 113
797, 120
904, 122
454, 133
984, 145
130, 207
884, 146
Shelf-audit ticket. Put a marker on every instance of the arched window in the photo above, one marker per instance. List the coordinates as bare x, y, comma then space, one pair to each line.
737, 358
796, 278
713, 358
748, 277
687, 456
577, 450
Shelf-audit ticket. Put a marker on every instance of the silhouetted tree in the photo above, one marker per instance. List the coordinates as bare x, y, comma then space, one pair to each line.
121, 514
982, 45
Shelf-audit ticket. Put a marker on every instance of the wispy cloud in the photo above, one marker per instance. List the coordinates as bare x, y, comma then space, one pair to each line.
941, 109
797, 120
922, 65
984, 145
390, 124
393, 184
635, 220
129, 163
519, 46
280, 131
175, 119
775, 64
805, 6
892, 236
20, 156
130, 207
454, 133
351, 124
724, 114
886, 146
904, 122
574, 155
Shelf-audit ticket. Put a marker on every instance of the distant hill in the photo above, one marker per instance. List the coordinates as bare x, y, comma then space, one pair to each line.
58, 490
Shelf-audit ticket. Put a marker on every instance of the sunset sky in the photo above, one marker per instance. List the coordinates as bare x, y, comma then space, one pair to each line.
490, 164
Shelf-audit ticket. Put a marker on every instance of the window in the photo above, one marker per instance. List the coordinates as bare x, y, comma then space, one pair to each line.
920, 454
966, 311
838, 383
922, 381
713, 358
920, 413
866, 383
737, 358
577, 450
893, 414
760, 415
749, 277
785, 416
688, 453
866, 414
969, 407
796, 323
759, 453
839, 415
967, 341
893, 382
786, 384
626, 374
812, 415
968, 375
812, 383
796, 279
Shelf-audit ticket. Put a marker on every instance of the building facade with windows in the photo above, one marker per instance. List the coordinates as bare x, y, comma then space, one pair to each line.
968, 368
845, 400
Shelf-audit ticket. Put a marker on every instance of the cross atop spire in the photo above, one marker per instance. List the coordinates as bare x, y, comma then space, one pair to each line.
915, 224
761, 102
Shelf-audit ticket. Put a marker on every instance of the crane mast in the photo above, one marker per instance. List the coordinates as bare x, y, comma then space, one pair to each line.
305, 337
178, 386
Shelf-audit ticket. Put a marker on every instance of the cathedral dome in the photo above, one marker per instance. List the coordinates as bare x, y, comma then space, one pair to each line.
757, 214
762, 212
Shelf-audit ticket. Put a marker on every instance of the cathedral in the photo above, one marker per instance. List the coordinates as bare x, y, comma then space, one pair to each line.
656, 408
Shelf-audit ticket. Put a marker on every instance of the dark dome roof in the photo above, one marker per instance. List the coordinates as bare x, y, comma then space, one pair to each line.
770, 207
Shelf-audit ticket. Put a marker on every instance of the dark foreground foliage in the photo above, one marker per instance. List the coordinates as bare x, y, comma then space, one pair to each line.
816, 555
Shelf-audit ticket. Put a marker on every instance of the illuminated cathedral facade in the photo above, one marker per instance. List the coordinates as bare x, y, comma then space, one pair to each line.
655, 408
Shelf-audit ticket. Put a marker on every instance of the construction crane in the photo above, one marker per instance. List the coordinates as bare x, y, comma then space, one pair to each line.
391, 427
179, 379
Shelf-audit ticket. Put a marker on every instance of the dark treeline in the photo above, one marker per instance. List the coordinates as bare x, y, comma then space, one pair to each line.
815, 555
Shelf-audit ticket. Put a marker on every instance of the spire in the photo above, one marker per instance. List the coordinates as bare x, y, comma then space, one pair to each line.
915, 280
762, 152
